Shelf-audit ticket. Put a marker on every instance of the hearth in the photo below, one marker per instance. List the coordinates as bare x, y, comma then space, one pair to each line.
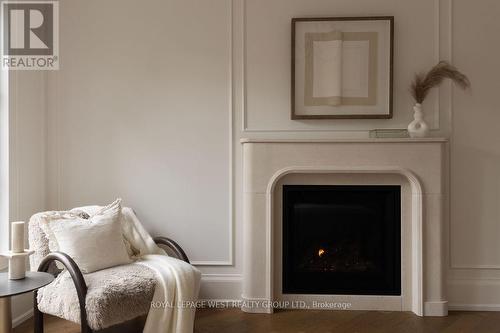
341, 240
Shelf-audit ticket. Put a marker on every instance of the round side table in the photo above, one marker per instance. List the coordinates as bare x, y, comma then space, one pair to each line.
8, 288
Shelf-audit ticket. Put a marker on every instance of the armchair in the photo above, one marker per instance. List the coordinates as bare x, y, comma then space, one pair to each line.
97, 300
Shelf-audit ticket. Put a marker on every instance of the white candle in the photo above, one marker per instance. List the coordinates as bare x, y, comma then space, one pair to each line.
17, 234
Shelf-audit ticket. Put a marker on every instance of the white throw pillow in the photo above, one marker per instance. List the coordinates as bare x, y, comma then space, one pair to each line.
95, 210
60, 216
95, 243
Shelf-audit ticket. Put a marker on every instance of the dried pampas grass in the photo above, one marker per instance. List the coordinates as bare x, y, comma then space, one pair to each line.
423, 83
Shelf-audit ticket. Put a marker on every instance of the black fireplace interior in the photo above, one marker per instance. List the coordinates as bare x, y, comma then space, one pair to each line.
342, 239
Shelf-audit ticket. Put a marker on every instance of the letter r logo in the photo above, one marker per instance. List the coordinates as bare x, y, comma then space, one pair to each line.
28, 28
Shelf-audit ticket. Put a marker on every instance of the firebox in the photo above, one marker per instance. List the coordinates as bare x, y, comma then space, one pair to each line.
341, 239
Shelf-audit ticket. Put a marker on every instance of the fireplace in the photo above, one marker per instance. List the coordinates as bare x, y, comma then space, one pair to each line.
343, 240
416, 165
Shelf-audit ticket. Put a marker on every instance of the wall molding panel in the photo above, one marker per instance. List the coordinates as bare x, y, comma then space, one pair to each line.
60, 169
441, 106
230, 261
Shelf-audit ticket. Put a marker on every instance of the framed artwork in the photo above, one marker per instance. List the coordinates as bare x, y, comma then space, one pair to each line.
342, 67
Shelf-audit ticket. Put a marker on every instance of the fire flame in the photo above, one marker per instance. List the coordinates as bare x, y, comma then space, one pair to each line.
321, 252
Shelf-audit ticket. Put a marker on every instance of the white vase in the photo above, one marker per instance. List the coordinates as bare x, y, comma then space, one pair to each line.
17, 263
418, 128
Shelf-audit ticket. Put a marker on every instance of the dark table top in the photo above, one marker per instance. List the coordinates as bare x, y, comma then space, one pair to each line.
32, 281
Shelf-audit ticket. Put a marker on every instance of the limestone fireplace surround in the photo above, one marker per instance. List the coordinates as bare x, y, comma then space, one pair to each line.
420, 163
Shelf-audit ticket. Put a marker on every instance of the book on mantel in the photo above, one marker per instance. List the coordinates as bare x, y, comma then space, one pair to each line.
389, 133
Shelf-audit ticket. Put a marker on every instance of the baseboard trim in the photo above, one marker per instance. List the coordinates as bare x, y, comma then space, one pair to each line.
22, 318
255, 305
221, 277
219, 303
220, 287
436, 309
474, 294
474, 307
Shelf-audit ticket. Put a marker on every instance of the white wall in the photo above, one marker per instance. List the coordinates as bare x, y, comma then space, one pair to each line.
4, 164
153, 97
141, 109
27, 157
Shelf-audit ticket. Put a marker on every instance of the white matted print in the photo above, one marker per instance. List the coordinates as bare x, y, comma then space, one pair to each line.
342, 67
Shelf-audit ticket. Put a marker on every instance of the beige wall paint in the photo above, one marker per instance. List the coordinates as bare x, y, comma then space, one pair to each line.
475, 158
141, 108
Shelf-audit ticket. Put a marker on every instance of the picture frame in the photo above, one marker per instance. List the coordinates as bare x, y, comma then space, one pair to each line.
342, 67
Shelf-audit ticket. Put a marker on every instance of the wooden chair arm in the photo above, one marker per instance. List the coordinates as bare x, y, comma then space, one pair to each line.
176, 248
78, 280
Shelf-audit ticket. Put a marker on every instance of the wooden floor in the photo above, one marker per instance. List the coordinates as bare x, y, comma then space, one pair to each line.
235, 321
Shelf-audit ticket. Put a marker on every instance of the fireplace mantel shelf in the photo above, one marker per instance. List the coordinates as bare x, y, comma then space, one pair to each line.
362, 140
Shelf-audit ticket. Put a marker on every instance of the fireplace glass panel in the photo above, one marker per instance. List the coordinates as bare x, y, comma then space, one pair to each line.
342, 239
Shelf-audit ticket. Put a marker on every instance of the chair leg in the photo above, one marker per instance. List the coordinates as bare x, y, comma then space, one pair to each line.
38, 322
85, 328
37, 315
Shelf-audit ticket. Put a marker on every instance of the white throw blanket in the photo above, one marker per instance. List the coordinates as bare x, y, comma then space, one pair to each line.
174, 301
137, 235
173, 306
